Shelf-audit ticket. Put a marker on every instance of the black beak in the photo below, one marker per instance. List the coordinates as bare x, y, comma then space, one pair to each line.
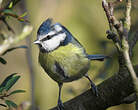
36, 42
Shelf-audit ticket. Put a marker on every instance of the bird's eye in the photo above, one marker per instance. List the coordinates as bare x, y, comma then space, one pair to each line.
48, 37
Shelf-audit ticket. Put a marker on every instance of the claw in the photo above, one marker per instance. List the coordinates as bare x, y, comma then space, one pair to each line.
94, 89
60, 105
93, 86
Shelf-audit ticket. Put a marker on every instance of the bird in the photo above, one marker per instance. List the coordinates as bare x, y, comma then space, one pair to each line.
62, 56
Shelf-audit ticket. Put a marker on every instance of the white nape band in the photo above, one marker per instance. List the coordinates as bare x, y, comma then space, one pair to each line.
51, 33
58, 28
61, 37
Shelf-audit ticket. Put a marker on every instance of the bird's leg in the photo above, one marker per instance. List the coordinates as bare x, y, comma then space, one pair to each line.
60, 104
93, 86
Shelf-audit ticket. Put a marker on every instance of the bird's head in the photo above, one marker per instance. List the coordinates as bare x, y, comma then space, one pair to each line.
51, 36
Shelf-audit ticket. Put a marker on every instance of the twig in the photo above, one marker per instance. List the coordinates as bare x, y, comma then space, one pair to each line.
108, 13
13, 40
7, 25
114, 24
4, 95
31, 69
127, 22
16, 16
127, 58
112, 19
4, 14
108, 8
130, 99
112, 35
126, 45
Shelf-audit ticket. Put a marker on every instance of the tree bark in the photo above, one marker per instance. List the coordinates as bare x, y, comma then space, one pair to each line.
111, 92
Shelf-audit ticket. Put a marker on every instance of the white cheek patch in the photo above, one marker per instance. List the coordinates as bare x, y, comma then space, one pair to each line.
54, 42
58, 28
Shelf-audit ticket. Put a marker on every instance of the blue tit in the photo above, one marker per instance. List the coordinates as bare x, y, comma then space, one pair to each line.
62, 56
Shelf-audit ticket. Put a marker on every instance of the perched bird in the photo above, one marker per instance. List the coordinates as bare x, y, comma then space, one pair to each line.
62, 57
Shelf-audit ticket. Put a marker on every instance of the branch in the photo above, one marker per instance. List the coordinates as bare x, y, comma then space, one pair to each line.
7, 25
31, 69
126, 47
115, 26
130, 99
123, 34
123, 31
127, 22
111, 92
108, 8
13, 40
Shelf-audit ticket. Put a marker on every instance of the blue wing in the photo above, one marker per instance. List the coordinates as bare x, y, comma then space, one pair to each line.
97, 57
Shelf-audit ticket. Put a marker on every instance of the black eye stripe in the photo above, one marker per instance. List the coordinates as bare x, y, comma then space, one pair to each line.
46, 38
50, 36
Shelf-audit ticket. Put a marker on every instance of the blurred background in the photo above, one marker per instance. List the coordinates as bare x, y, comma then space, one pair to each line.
86, 20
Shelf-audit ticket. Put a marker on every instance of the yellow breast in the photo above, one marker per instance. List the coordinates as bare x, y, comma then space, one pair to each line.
71, 59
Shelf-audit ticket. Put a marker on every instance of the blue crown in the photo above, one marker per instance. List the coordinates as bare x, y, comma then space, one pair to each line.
45, 27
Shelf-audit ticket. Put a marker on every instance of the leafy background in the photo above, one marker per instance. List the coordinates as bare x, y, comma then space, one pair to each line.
87, 22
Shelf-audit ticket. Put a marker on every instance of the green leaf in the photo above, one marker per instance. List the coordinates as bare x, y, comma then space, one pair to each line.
9, 11
3, 105
2, 60
11, 5
6, 3
7, 79
10, 104
1, 89
11, 82
17, 91
23, 15
11, 49
15, 2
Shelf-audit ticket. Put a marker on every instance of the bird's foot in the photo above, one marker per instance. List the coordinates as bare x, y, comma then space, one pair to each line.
94, 89
93, 86
60, 105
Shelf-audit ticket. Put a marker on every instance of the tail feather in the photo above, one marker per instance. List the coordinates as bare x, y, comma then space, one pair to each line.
97, 57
